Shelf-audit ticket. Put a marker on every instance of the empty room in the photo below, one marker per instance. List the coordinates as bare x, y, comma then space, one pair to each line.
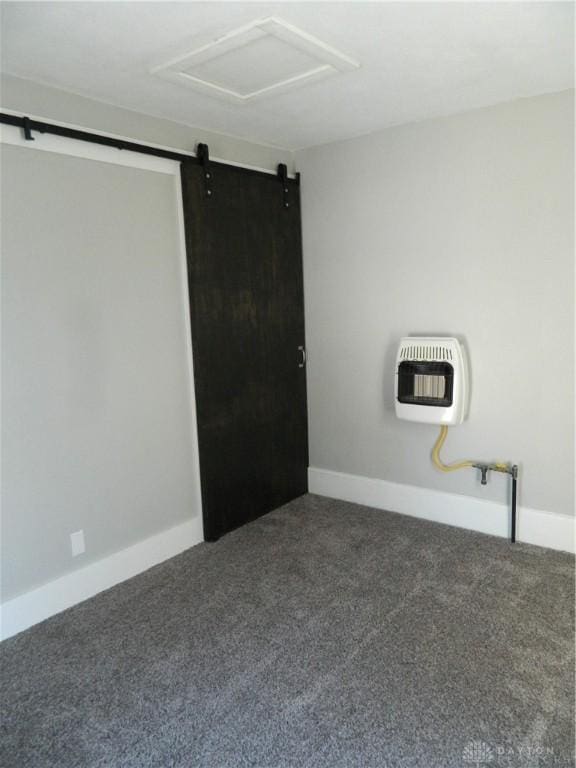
287, 368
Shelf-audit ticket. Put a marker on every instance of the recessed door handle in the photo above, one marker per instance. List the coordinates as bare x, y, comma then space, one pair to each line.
302, 362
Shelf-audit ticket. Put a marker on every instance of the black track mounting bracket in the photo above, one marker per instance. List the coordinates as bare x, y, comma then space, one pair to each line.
27, 129
283, 176
203, 155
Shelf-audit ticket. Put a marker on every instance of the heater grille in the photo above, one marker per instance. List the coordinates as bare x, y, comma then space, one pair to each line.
426, 352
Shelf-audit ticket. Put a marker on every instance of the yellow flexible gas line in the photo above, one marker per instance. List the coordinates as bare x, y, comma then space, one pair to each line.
497, 466
436, 454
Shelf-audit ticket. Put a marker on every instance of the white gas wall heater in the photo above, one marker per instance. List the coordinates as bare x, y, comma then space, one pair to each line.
432, 380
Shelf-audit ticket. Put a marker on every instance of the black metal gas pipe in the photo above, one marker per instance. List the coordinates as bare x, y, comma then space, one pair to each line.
514, 474
509, 469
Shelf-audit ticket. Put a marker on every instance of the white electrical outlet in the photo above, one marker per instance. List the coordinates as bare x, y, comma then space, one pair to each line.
77, 543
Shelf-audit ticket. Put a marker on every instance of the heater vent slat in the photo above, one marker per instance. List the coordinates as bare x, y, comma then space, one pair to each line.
432, 353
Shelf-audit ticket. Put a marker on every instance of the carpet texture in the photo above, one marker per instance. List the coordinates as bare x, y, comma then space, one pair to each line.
324, 635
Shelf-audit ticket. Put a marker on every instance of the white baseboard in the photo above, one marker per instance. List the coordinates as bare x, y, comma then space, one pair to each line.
25, 610
545, 529
534, 526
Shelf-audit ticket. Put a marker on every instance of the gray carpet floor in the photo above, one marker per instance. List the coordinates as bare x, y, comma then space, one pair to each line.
324, 635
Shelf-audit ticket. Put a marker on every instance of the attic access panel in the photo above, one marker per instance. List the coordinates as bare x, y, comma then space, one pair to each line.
264, 58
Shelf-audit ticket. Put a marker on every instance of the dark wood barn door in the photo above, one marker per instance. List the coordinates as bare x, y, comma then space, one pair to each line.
247, 311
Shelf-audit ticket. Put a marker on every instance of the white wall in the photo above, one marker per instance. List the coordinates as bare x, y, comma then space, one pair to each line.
98, 414
42, 101
459, 226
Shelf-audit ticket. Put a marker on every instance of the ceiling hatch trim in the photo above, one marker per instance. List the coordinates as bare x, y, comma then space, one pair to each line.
261, 59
